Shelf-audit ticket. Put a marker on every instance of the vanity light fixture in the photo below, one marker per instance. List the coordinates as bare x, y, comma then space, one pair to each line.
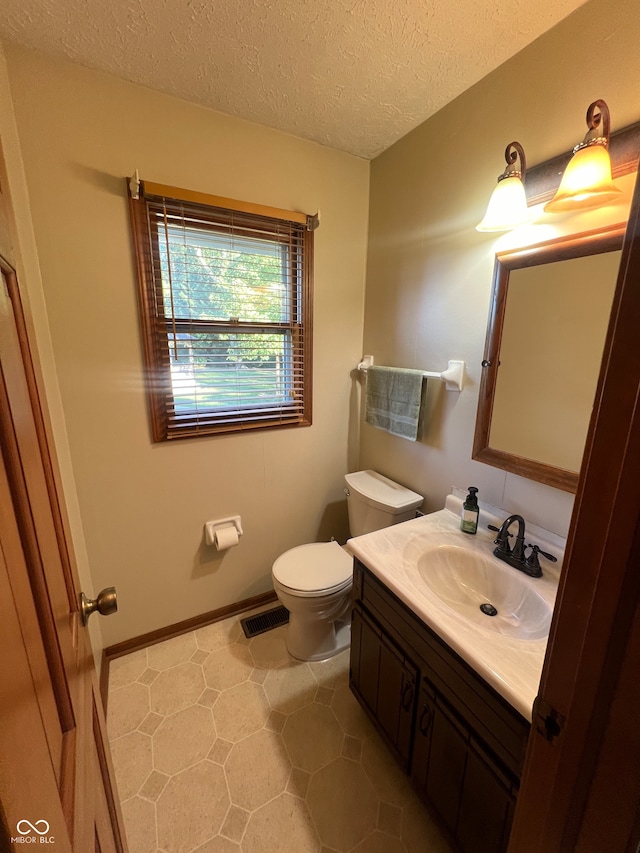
507, 206
587, 180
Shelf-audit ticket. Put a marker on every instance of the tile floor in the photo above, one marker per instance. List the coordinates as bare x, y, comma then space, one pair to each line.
227, 745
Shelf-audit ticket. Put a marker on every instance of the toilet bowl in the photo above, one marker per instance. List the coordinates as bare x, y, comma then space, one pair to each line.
314, 581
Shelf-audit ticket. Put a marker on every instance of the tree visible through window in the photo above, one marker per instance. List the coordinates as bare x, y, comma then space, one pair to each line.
225, 297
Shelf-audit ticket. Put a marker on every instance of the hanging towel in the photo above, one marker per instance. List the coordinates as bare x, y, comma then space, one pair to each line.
393, 400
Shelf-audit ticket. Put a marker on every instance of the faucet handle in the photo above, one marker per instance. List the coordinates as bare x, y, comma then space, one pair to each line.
548, 556
532, 560
537, 550
497, 530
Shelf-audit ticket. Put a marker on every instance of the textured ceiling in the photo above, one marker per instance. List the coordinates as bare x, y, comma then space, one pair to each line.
352, 74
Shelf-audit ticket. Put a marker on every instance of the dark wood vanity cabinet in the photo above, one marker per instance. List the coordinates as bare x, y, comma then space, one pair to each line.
461, 744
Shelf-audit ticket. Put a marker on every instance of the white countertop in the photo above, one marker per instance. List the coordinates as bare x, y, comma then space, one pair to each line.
511, 665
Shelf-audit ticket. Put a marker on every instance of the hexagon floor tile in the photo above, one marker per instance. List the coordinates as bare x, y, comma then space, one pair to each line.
228, 745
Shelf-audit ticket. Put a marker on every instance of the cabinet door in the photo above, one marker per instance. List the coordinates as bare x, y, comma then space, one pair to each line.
396, 697
384, 680
365, 660
425, 713
486, 809
447, 763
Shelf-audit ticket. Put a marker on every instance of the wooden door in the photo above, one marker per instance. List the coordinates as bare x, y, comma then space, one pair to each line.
55, 776
581, 785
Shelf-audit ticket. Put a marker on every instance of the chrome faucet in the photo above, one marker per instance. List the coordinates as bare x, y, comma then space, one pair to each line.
516, 556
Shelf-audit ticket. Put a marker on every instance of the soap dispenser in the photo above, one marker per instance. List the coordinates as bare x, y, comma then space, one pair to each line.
470, 512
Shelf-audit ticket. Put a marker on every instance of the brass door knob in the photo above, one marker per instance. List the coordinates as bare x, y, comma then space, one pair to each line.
106, 603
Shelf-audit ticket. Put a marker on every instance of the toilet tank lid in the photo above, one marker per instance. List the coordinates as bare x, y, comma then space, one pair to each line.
380, 492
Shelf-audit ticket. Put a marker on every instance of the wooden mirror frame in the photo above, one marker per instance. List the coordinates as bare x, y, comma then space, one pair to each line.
607, 239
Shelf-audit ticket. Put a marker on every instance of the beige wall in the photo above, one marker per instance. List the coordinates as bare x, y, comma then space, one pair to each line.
429, 271
18, 246
143, 506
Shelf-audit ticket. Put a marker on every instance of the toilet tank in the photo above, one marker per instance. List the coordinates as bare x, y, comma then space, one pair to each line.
375, 501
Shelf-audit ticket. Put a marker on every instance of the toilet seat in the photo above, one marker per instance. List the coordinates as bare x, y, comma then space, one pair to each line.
318, 568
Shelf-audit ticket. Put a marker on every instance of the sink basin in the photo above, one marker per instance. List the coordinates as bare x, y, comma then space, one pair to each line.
465, 580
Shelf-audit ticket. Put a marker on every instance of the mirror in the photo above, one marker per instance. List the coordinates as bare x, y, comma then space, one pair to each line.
548, 320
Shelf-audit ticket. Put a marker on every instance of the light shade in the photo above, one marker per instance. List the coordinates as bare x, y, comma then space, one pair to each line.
507, 206
587, 180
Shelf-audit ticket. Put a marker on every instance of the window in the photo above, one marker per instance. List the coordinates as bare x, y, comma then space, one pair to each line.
225, 295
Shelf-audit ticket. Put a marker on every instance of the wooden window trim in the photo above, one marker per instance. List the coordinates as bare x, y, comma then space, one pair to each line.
166, 424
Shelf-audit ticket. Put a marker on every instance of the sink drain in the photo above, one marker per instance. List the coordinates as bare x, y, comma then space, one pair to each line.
488, 609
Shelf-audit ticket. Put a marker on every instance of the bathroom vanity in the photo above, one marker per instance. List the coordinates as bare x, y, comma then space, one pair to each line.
450, 694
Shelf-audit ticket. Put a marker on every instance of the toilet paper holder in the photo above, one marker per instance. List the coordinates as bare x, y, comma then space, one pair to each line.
210, 527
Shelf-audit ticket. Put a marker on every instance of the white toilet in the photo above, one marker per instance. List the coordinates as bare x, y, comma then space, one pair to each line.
314, 581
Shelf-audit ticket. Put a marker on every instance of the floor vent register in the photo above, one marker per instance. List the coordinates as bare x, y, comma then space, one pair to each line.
265, 621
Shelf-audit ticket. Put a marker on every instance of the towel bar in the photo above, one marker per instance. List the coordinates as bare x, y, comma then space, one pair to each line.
452, 377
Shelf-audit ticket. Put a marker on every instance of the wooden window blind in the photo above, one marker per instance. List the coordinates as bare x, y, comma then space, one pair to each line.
225, 297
